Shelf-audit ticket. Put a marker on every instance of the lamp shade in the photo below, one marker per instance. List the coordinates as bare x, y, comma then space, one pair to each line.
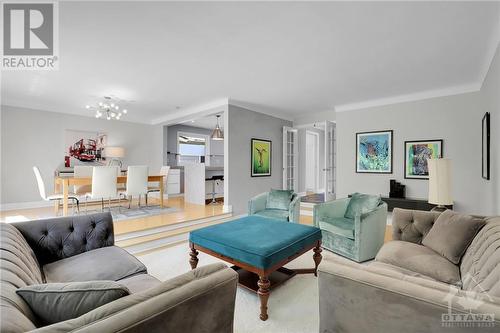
440, 181
114, 152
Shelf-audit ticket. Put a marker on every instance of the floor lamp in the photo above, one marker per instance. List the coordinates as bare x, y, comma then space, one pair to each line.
440, 183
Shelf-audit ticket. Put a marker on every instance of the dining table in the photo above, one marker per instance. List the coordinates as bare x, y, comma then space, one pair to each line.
62, 185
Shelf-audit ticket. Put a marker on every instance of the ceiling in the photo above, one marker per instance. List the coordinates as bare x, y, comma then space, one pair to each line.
288, 58
208, 122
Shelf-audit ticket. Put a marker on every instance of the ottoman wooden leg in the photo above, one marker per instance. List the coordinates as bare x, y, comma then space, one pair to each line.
317, 258
194, 257
263, 292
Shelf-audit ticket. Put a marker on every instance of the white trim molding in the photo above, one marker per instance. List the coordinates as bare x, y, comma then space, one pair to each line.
262, 109
410, 97
186, 114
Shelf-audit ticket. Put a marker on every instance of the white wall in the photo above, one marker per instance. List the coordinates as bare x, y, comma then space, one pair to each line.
490, 99
455, 119
241, 126
33, 137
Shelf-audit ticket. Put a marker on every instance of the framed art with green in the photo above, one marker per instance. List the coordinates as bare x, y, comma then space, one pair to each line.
261, 158
416, 155
374, 152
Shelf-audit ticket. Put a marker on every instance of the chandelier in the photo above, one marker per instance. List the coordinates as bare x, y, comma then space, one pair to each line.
108, 109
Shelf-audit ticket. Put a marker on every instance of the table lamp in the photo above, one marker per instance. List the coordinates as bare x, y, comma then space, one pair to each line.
114, 153
440, 183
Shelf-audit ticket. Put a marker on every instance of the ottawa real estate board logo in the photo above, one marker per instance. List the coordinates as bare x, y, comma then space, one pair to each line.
30, 37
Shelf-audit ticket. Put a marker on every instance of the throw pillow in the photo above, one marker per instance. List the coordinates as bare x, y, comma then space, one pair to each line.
452, 233
279, 199
55, 302
361, 204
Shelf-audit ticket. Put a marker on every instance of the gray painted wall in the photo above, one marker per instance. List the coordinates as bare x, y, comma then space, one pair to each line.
33, 137
455, 119
170, 141
243, 125
490, 98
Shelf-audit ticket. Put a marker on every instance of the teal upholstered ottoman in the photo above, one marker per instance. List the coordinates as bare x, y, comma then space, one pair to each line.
259, 247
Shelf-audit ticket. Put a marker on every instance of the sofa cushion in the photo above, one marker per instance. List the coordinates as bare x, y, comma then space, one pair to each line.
55, 302
279, 199
412, 225
361, 204
452, 233
480, 268
107, 263
62, 237
18, 268
138, 283
419, 259
339, 226
274, 214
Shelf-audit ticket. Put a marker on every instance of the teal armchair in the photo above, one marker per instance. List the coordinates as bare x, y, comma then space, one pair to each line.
358, 239
257, 206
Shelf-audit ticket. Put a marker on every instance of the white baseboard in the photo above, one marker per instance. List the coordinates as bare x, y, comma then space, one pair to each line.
25, 205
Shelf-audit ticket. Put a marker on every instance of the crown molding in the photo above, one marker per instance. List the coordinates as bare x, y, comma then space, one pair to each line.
262, 109
490, 54
457, 90
186, 114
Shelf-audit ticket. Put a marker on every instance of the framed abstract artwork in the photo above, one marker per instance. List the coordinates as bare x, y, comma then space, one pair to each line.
374, 152
261, 158
416, 155
486, 146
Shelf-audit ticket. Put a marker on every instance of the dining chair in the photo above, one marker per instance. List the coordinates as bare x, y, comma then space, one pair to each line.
82, 171
53, 197
137, 183
163, 172
104, 185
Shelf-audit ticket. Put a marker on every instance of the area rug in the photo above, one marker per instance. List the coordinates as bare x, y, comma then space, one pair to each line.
293, 306
124, 213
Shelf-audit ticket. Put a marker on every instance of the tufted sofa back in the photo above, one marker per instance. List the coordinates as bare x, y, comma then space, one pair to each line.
412, 225
480, 267
18, 268
59, 238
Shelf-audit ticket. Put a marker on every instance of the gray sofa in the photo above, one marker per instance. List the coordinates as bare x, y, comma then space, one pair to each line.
82, 249
386, 296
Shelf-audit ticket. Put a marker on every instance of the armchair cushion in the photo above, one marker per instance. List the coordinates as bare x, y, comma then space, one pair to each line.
55, 302
419, 259
361, 204
279, 199
452, 234
88, 266
339, 226
274, 214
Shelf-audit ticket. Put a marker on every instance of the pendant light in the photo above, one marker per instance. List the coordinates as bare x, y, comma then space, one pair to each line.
217, 133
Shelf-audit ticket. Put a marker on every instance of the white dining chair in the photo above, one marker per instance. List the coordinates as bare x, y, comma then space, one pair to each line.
82, 171
104, 185
163, 172
137, 183
52, 197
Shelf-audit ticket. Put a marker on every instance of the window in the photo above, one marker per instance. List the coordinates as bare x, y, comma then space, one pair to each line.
192, 148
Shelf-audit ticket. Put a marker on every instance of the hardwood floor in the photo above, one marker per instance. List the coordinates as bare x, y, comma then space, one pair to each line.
186, 212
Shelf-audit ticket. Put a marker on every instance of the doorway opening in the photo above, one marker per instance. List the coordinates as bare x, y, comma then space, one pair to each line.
312, 162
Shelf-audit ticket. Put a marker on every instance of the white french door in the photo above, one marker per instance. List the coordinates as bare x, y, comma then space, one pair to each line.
290, 159
330, 161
